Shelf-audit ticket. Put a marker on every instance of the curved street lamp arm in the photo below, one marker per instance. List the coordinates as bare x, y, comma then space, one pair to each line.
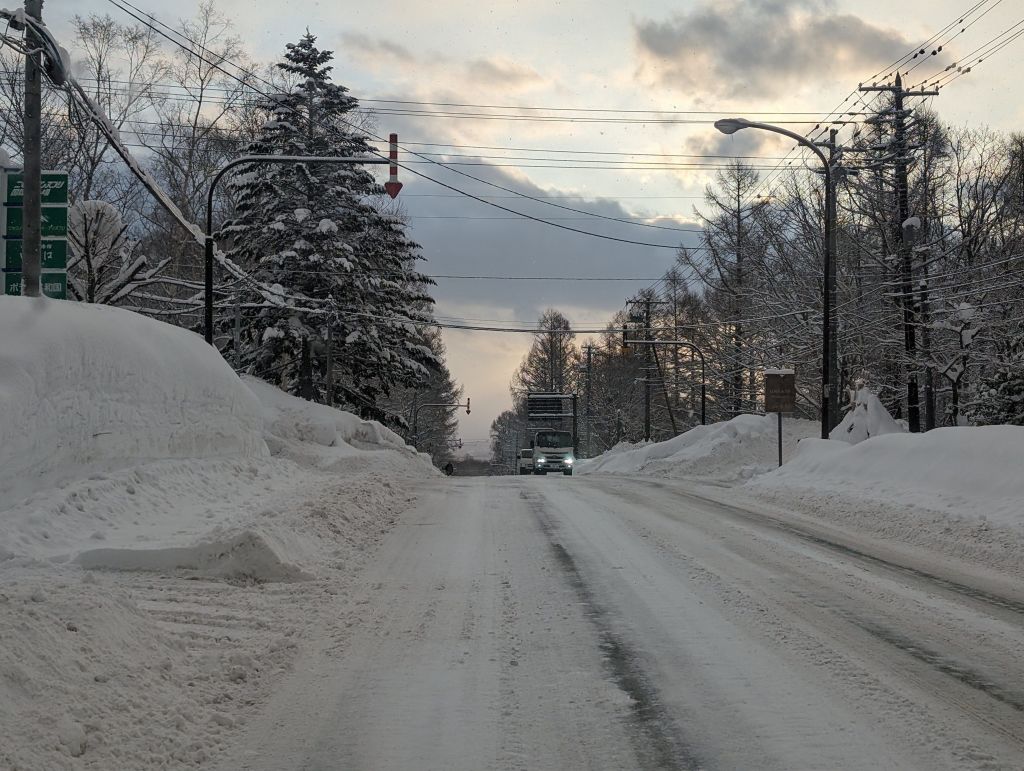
798, 138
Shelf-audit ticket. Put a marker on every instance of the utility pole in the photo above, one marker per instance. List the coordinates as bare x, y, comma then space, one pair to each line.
830, 284
647, 302
589, 349
647, 370
901, 152
32, 207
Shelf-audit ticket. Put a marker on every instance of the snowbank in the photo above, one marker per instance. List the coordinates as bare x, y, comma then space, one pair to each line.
130, 444
866, 419
301, 430
90, 388
967, 473
730, 451
168, 532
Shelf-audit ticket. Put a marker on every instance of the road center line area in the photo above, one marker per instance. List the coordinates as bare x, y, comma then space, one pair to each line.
557, 623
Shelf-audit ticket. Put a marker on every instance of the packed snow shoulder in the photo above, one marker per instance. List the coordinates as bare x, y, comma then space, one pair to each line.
727, 452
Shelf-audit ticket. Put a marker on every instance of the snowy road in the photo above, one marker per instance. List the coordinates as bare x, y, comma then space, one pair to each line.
603, 622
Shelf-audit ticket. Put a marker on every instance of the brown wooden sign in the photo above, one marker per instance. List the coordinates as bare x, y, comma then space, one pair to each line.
779, 390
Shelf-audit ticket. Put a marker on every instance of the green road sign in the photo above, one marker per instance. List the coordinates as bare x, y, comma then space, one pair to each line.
55, 222
54, 188
12, 283
54, 256
54, 285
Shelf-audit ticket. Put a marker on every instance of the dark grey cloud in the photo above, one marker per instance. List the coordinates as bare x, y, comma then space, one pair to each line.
465, 237
760, 48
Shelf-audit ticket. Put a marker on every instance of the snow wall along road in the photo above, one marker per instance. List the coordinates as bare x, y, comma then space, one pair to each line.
87, 388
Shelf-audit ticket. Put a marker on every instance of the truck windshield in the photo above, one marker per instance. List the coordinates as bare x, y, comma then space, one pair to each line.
526, 453
554, 439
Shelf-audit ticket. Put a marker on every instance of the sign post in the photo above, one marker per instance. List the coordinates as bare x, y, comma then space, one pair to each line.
779, 395
53, 229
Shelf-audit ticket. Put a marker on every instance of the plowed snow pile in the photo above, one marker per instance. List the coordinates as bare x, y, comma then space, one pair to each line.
151, 502
969, 473
726, 452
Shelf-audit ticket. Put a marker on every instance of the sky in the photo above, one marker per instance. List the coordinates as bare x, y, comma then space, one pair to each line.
790, 61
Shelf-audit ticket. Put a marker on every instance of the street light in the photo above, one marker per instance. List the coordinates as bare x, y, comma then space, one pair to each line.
731, 126
416, 417
392, 186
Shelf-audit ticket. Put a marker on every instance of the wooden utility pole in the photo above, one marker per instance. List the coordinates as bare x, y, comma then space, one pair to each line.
901, 160
32, 206
647, 370
589, 349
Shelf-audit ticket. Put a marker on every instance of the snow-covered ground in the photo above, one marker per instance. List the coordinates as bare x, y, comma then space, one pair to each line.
616, 622
955, 491
728, 452
167, 534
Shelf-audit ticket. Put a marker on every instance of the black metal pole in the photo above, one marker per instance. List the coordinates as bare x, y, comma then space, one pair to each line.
826, 303
780, 439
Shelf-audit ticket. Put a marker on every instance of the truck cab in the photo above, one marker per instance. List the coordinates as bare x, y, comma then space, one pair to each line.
553, 451
524, 463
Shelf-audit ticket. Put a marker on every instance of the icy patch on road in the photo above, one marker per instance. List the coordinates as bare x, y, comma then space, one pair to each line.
727, 452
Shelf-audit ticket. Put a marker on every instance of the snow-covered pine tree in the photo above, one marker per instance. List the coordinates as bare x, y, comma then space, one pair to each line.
313, 229
999, 397
438, 428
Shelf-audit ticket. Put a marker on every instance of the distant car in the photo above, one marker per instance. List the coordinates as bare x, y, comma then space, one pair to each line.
524, 463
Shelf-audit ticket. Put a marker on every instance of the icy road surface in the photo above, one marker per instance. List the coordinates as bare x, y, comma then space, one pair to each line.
609, 623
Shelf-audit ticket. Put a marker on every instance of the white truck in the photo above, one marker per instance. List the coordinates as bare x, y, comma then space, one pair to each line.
524, 463
553, 451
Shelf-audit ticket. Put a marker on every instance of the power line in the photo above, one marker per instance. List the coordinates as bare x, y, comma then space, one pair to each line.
121, 5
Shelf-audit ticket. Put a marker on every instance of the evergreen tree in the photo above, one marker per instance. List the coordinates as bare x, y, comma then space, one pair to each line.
438, 428
552, 365
313, 230
999, 397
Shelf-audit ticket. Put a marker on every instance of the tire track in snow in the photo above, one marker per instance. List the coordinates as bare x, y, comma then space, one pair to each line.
1016, 607
654, 736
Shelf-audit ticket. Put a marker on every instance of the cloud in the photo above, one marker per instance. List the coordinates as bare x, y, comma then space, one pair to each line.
760, 48
502, 73
367, 48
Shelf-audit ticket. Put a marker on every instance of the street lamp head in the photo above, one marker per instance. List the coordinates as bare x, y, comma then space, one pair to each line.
731, 125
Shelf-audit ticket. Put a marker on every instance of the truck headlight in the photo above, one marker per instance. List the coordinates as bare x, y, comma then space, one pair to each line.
542, 460
568, 461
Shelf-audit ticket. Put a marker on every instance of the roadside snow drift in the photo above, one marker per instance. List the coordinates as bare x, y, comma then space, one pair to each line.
168, 535
730, 451
971, 473
94, 388
128, 443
